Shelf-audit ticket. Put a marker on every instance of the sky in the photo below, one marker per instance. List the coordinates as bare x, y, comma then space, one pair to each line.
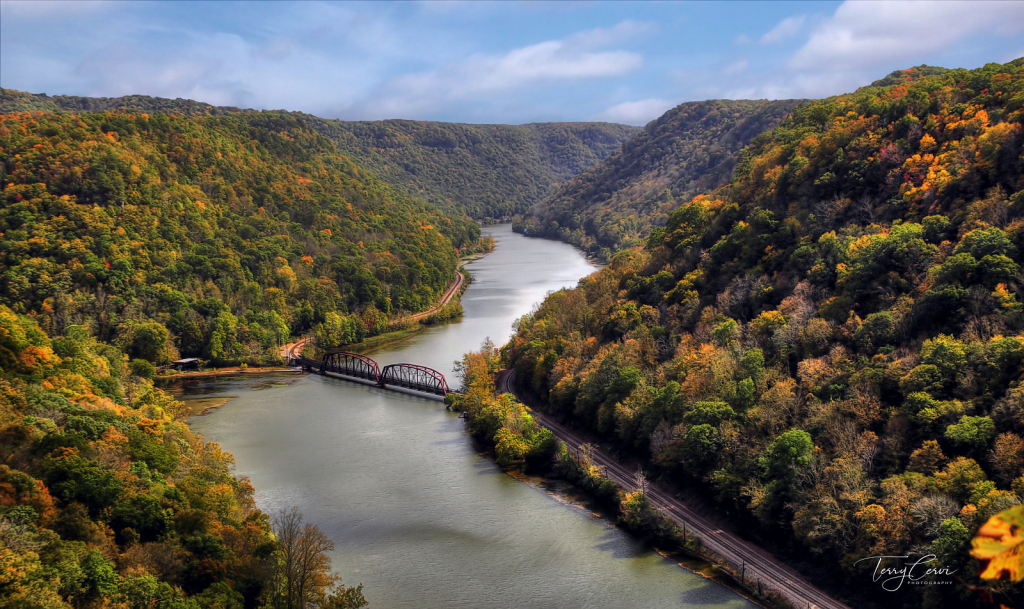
489, 62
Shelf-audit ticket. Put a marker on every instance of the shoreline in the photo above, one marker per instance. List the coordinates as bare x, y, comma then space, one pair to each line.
771, 597
225, 372
579, 497
396, 336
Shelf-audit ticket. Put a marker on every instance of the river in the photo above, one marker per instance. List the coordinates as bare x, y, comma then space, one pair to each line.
416, 514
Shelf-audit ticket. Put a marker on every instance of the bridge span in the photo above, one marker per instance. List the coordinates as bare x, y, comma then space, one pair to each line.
360, 367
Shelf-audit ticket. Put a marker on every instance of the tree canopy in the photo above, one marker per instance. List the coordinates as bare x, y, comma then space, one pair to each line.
831, 345
485, 171
692, 148
232, 232
107, 498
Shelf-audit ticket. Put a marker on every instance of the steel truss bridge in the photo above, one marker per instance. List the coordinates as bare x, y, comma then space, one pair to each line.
354, 365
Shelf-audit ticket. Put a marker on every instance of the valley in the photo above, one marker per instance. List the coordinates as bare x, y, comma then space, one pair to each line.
806, 313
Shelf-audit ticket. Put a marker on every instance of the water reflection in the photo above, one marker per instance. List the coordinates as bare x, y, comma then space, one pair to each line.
185, 389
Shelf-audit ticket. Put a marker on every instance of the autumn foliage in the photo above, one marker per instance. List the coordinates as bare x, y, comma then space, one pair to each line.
231, 232
830, 347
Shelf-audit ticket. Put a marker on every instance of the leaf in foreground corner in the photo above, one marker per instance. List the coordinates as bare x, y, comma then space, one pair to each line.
999, 545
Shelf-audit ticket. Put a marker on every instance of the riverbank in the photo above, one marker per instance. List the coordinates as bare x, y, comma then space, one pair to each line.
230, 371
567, 490
384, 340
417, 514
759, 574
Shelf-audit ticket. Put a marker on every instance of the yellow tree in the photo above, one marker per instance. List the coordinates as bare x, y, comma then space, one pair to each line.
306, 579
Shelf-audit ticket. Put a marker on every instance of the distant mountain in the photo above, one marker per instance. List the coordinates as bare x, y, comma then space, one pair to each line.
691, 148
485, 171
19, 101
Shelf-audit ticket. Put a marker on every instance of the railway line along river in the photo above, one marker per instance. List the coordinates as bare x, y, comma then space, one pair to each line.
416, 514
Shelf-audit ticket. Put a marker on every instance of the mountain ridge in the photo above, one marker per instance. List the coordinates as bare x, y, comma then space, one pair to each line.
487, 171
691, 148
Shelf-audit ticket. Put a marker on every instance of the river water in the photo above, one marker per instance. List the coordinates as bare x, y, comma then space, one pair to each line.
416, 514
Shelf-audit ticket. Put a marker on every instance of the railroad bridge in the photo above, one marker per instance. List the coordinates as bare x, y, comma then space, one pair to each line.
356, 366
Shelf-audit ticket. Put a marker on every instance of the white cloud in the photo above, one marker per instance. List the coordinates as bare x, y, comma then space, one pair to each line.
309, 56
575, 58
862, 41
864, 35
124, 69
786, 28
476, 61
636, 112
736, 67
224, 68
619, 33
547, 61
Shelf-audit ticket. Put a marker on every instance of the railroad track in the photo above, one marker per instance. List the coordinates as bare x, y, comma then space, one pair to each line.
449, 292
294, 350
759, 564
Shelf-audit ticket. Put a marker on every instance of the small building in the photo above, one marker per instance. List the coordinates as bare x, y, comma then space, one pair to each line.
189, 363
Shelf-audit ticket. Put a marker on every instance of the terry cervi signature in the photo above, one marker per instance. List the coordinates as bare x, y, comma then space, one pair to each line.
893, 577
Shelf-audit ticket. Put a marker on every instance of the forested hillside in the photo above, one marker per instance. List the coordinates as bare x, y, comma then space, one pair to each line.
830, 348
20, 101
215, 237
690, 149
910, 74
108, 500
485, 171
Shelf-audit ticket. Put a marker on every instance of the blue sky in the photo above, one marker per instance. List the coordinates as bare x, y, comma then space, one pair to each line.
489, 62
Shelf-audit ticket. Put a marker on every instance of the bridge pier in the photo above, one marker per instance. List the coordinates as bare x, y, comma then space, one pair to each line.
396, 389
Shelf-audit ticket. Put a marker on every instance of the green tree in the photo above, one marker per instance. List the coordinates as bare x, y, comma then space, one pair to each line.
222, 346
700, 445
726, 332
788, 451
150, 341
142, 368
949, 546
100, 577
752, 364
624, 382
878, 330
972, 432
709, 413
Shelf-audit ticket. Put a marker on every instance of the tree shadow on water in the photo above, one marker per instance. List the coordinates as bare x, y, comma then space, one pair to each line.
707, 593
485, 467
621, 546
